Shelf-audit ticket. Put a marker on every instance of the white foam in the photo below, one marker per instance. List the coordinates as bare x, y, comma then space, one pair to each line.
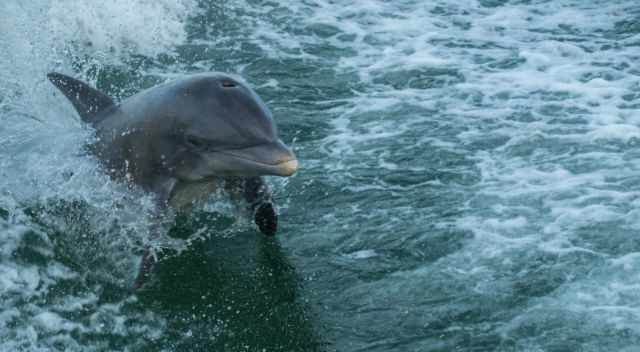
363, 254
121, 27
560, 177
52, 322
621, 132
42, 167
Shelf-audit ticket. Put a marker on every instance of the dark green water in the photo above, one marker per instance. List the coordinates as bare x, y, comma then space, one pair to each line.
469, 179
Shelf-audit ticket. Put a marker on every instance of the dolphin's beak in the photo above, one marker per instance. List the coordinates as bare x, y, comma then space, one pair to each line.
288, 168
273, 158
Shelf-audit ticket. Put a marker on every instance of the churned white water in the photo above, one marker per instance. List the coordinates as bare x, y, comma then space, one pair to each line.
50, 300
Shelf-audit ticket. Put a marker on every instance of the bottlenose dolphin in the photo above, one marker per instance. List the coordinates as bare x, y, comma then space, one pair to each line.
184, 139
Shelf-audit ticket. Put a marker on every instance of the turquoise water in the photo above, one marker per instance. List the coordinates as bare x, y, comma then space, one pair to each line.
469, 179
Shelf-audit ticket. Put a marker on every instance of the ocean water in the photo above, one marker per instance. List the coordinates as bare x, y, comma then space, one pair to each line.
470, 179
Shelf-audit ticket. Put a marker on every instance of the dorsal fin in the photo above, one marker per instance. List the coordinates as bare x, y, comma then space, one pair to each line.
88, 101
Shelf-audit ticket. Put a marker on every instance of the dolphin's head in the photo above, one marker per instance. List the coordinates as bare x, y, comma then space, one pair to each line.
222, 128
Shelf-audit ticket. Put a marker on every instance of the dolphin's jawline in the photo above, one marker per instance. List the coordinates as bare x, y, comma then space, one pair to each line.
281, 168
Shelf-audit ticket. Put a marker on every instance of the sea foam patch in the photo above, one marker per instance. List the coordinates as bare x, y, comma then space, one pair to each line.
68, 231
525, 111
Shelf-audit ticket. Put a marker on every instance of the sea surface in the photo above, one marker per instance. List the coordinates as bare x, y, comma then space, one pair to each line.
470, 179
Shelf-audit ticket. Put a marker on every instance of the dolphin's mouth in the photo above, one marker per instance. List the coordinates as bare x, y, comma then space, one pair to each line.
264, 159
285, 168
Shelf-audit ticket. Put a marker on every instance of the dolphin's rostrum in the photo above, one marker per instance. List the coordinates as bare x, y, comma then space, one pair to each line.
183, 139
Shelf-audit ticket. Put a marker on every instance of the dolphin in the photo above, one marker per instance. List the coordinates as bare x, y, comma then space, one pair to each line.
184, 139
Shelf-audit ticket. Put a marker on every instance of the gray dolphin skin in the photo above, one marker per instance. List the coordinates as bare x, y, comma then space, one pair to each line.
184, 139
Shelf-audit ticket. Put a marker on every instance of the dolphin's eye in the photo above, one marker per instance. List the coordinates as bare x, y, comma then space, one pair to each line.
195, 142
228, 83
